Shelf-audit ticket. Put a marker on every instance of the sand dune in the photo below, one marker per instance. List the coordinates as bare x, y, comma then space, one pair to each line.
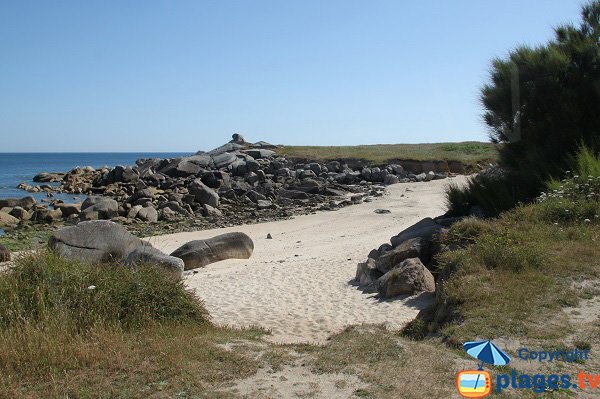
297, 284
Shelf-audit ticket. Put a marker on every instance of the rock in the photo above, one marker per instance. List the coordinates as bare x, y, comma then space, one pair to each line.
48, 177
406, 279
176, 207
367, 273
425, 228
420, 177
148, 214
46, 215
237, 139
315, 167
225, 148
264, 204
20, 213
307, 174
167, 214
391, 179
106, 208
397, 169
7, 220
293, 194
132, 213
68, 209
430, 176
209, 211
200, 253
4, 254
129, 175
258, 153
224, 159
95, 241
263, 145
382, 211
26, 203
269, 236
334, 166
204, 194
309, 186
149, 255
416, 247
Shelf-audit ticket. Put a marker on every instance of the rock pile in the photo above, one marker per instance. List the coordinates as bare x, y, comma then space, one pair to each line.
234, 177
403, 266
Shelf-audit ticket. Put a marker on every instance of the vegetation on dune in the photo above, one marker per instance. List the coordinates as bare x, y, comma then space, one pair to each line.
89, 330
542, 104
469, 153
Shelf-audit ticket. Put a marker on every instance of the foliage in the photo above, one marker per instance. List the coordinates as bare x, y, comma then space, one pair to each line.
494, 194
41, 288
558, 101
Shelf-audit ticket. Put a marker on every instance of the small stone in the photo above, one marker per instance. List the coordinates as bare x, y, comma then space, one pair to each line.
269, 236
382, 211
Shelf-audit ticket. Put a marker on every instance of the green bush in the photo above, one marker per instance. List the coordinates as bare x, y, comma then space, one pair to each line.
46, 288
543, 102
494, 194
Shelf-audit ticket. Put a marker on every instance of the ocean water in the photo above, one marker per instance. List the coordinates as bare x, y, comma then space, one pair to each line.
16, 168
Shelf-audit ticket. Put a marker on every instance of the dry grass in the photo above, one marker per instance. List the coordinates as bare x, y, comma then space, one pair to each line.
469, 152
394, 367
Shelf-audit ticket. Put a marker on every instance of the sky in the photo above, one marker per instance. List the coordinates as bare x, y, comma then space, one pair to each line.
96, 76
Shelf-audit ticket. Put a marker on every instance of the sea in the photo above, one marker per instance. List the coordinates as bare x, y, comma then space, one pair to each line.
16, 168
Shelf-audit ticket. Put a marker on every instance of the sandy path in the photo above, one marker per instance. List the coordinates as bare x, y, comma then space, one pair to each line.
297, 284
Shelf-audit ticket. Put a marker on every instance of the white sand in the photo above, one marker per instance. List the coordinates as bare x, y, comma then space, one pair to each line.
297, 284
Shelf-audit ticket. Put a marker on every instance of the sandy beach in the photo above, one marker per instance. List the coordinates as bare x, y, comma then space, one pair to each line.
297, 284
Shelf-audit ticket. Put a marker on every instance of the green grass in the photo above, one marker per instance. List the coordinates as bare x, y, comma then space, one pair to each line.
511, 276
469, 152
102, 331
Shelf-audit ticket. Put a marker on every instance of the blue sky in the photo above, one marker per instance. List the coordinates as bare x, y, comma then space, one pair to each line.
185, 75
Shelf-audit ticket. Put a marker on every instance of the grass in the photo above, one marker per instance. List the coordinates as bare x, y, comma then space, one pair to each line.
469, 153
516, 274
80, 331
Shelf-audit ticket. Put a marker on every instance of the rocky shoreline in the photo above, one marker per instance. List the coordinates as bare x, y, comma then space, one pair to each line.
236, 183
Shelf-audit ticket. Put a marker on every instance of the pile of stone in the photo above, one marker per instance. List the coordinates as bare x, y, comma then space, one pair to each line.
103, 241
234, 177
404, 265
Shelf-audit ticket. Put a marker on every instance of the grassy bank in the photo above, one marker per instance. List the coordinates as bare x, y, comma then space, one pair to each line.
469, 153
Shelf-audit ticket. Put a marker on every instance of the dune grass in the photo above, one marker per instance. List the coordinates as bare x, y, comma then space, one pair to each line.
77, 330
469, 152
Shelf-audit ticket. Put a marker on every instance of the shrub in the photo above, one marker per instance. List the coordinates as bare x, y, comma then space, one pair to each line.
45, 288
555, 106
493, 193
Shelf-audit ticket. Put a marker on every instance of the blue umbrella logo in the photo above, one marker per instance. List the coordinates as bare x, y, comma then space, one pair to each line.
486, 352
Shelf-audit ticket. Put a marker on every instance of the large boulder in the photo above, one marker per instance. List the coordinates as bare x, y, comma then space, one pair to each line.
416, 247
95, 241
104, 207
200, 253
425, 228
204, 194
407, 278
149, 255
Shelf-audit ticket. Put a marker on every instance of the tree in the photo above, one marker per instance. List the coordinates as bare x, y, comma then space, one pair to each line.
544, 102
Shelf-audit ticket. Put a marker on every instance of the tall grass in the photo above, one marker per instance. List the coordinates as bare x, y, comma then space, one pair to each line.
46, 288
